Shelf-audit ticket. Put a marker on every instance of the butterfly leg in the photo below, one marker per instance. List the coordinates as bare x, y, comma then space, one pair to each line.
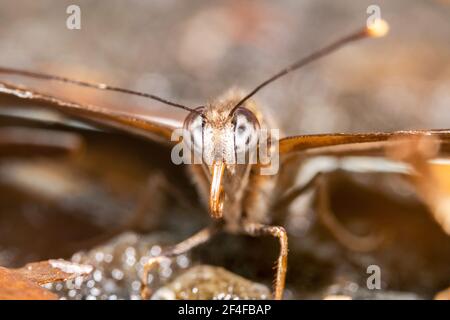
294, 193
329, 219
326, 216
197, 239
256, 230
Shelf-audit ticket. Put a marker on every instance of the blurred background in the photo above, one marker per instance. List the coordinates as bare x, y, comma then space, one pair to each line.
191, 52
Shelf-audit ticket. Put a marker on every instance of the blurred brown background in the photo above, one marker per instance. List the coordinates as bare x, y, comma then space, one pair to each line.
192, 51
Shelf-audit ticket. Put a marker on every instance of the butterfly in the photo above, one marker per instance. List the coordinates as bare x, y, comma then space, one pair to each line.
240, 195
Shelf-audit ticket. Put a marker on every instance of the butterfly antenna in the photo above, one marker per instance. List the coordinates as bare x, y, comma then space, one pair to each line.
377, 29
100, 86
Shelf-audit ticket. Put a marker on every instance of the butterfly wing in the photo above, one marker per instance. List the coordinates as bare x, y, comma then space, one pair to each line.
342, 144
408, 147
152, 127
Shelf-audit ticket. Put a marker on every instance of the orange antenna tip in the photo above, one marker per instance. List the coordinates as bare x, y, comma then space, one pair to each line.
378, 28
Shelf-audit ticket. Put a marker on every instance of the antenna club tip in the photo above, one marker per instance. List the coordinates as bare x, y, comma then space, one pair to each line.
378, 28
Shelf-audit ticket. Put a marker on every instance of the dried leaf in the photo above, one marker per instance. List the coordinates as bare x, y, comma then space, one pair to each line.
24, 283
14, 286
53, 270
443, 295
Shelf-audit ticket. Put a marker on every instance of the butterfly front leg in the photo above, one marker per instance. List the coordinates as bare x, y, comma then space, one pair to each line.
322, 205
340, 232
256, 230
184, 246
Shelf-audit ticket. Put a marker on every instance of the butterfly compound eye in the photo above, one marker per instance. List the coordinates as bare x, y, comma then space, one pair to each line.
193, 130
246, 128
